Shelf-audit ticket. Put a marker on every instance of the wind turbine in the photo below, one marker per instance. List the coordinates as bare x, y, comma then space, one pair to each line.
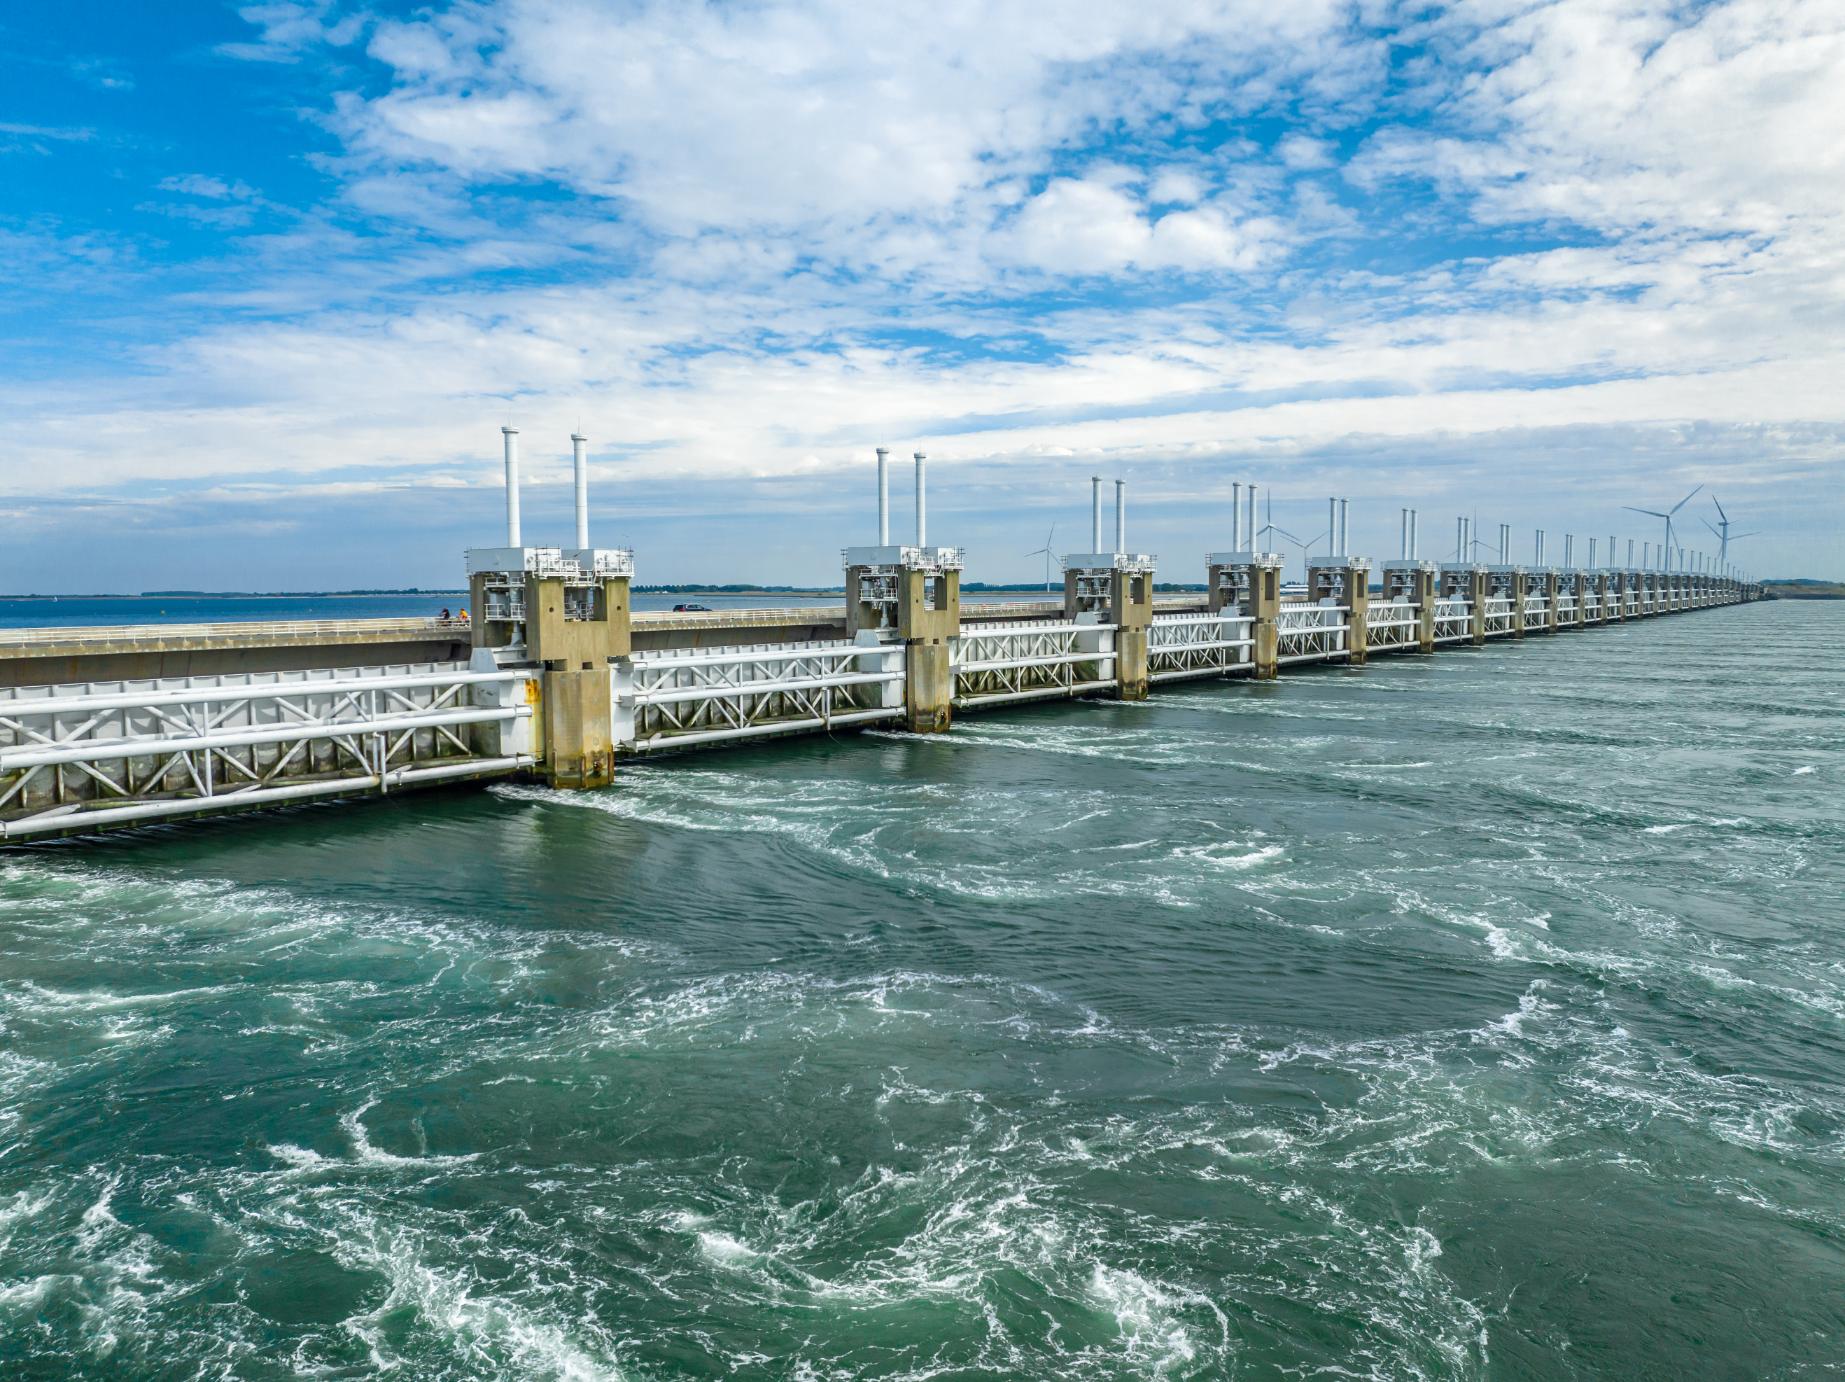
1722, 529
1269, 527
1306, 548
1045, 550
1667, 515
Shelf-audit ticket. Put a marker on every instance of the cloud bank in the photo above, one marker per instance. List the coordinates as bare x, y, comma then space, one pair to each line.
1552, 258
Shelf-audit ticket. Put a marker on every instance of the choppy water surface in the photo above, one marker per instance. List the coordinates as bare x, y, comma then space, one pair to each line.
1479, 1016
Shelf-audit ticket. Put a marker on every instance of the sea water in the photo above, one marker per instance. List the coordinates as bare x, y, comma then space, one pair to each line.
1471, 1016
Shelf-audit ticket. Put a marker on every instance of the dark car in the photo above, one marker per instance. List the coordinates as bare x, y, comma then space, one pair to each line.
691, 609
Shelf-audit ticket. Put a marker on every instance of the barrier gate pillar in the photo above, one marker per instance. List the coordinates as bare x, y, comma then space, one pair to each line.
1467, 581
568, 614
1345, 581
1508, 583
911, 595
1547, 582
1117, 586
1414, 581
1249, 583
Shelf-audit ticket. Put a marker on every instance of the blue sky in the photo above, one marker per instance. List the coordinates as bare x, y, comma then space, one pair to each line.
272, 276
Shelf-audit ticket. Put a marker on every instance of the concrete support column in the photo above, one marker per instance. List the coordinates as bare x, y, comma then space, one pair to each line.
1346, 581
1421, 594
1264, 604
579, 735
1549, 585
928, 622
1131, 611
1250, 583
1517, 587
1465, 581
574, 637
1357, 621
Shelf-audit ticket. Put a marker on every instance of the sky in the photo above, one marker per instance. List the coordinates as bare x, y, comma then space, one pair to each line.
273, 276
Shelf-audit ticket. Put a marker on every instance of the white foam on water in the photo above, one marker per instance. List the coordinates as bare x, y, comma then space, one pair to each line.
1229, 854
1805, 769
1145, 1314
487, 1332
365, 1153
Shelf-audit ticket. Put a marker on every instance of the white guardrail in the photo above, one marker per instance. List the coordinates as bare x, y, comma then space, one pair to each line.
1453, 620
1310, 633
705, 695
1183, 646
996, 663
1391, 624
99, 753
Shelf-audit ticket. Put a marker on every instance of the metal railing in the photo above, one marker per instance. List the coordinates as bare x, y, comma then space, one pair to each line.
95, 754
1498, 616
1392, 625
995, 663
698, 696
1310, 633
1453, 620
1182, 646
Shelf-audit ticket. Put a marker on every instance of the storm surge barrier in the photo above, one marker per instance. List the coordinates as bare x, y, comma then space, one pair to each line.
81, 756
561, 681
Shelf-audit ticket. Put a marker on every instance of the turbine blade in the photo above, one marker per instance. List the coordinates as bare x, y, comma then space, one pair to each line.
1650, 513
1720, 513
1686, 500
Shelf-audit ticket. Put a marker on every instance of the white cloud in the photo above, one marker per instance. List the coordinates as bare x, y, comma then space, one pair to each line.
290, 28
701, 116
1090, 226
211, 188
1303, 152
792, 231
1175, 187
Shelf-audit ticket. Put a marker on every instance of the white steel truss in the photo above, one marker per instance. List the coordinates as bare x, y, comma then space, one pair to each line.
1390, 625
1498, 616
997, 662
1453, 620
92, 754
675, 699
1180, 646
1310, 633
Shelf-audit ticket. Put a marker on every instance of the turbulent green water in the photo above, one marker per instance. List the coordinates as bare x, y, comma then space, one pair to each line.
1476, 1016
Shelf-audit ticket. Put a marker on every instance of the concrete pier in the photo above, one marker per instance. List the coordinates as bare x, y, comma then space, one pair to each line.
1468, 581
1414, 582
1345, 583
910, 596
567, 618
1249, 582
1115, 590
